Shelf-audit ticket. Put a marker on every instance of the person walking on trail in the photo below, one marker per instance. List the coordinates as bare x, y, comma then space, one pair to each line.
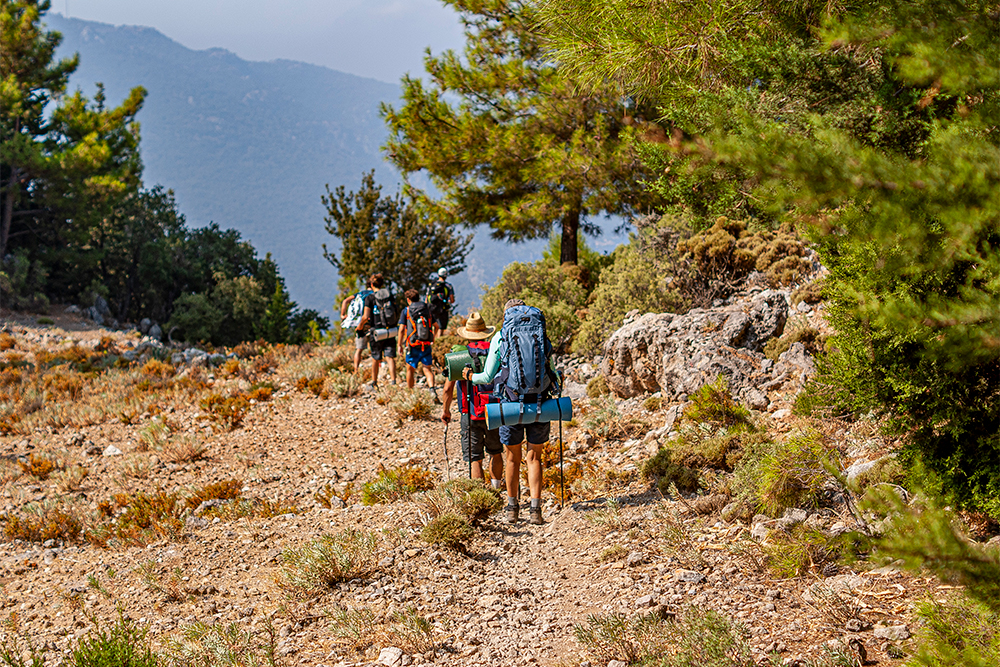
518, 366
352, 309
472, 400
416, 333
379, 316
441, 298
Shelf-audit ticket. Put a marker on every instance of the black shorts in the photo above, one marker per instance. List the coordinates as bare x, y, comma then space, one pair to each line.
476, 439
382, 348
441, 320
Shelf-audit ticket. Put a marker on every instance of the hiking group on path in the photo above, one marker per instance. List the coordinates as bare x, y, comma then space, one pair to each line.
510, 366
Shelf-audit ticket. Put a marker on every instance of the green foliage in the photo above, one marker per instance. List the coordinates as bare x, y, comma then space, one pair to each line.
957, 632
447, 530
556, 290
663, 469
22, 282
388, 235
878, 131
705, 639
926, 537
123, 644
642, 276
774, 476
508, 140
312, 569
713, 404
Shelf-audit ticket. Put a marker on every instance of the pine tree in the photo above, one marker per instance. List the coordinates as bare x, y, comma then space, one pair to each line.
388, 235
63, 167
508, 139
879, 132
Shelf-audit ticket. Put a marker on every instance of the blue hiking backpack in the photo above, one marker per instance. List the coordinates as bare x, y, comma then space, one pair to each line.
524, 352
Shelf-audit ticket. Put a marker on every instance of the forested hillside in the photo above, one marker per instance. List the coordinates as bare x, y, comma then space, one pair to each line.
246, 145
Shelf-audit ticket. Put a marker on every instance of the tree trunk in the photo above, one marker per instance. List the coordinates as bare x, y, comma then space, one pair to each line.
8, 211
570, 232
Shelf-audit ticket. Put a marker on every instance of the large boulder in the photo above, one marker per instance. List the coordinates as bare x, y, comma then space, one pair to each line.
677, 354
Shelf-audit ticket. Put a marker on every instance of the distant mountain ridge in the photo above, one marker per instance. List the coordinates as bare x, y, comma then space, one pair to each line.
250, 145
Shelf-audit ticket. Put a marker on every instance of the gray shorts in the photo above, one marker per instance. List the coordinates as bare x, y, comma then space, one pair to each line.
476, 439
360, 340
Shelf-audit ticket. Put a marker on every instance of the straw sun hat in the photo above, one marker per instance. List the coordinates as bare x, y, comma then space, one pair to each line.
475, 328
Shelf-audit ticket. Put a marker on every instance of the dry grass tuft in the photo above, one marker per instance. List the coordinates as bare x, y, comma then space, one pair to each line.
313, 569
395, 484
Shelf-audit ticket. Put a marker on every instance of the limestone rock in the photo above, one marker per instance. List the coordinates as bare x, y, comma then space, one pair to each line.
677, 354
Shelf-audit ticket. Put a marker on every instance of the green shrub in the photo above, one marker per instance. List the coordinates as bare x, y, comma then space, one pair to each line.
959, 631
222, 645
22, 282
662, 469
556, 290
716, 448
703, 638
123, 644
597, 387
314, 568
774, 476
447, 530
713, 404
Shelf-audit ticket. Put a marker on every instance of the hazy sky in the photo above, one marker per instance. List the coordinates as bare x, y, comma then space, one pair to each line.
382, 39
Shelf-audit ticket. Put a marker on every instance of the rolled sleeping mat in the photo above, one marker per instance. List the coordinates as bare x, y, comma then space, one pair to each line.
509, 414
384, 334
456, 361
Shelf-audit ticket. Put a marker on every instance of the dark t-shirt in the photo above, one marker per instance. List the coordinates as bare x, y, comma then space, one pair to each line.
443, 289
370, 305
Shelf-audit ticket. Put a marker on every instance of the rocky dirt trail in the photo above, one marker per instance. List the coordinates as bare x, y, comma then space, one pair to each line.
512, 598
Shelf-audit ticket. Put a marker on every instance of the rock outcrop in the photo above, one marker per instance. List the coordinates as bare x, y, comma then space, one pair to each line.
677, 354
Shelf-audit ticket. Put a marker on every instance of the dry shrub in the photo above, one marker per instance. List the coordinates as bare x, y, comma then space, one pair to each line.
157, 368
448, 530
466, 497
138, 519
226, 490
395, 484
65, 384
40, 467
71, 479
609, 423
7, 342
810, 337
184, 448
227, 411
343, 384
245, 508
38, 523
261, 392
412, 404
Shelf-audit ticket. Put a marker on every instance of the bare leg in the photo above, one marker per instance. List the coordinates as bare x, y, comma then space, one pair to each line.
357, 359
429, 374
534, 461
513, 471
410, 377
392, 369
496, 466
375, 366
477, 470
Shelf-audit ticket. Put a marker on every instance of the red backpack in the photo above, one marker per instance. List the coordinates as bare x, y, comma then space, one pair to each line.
481, 393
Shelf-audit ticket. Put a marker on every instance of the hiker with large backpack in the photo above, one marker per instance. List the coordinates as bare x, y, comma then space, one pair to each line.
378, 325
441, 297
352, 309
518, 366
477, 440
416, 333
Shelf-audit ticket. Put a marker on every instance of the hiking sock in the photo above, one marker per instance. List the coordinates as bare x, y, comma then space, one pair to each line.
536, 503
511, 501
495, 483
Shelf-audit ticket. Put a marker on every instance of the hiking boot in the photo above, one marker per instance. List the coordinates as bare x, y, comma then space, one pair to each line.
535, 516
512, 513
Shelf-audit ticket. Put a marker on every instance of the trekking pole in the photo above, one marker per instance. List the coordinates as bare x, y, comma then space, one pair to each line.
562, 478
447, 466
